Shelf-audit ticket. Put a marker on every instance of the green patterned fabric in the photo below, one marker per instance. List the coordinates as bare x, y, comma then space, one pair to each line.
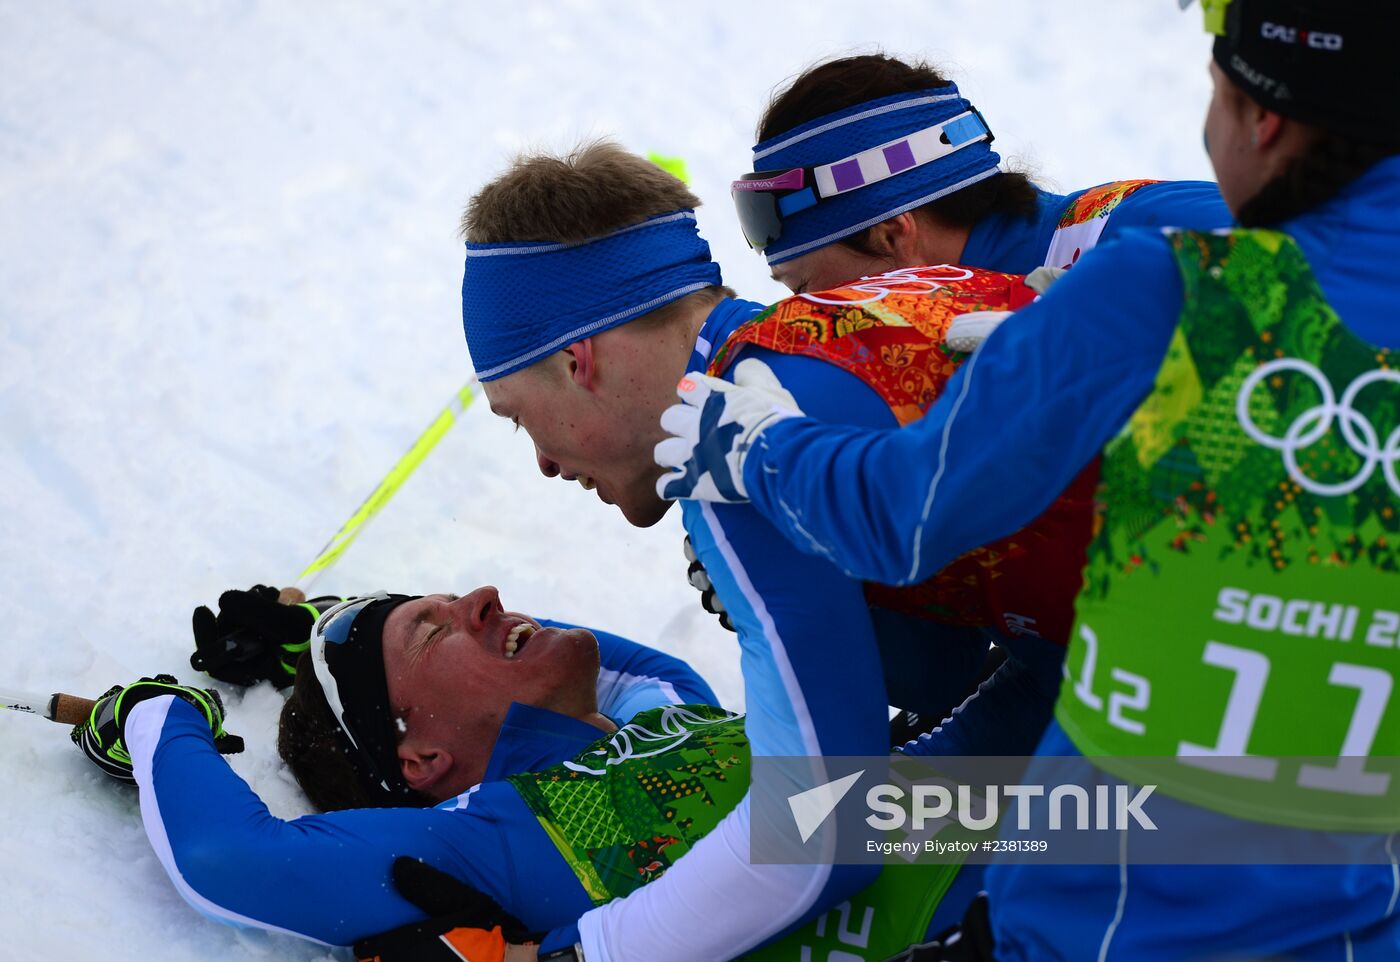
1240, 600
623, 810
626, 807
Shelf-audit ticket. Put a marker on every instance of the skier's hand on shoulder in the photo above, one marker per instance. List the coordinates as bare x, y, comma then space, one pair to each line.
102, 736
254, 637
462, 923
1042, 279
968, 331
714, 427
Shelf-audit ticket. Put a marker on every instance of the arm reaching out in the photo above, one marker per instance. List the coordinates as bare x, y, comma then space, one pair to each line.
1012, 428
322, 877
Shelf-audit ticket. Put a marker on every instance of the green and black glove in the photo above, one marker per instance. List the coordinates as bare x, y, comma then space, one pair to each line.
101, 737
254, 637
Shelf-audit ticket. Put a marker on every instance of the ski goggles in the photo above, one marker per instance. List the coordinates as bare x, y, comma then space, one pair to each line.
764, 198
347, 655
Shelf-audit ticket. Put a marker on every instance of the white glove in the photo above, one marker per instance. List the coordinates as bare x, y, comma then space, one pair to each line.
714, 427
1040, 279
968, 331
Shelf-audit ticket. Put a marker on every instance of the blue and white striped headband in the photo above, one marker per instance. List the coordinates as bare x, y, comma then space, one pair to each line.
869, 136
522, 302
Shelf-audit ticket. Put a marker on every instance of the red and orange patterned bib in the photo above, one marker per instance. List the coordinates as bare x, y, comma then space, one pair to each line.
889, 332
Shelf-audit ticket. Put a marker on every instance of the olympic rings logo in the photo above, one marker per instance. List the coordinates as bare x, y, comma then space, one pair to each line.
906, 280
1309, 427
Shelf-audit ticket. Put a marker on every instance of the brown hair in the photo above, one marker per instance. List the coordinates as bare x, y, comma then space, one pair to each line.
596, 189
1315, 176
312, 745
839, 84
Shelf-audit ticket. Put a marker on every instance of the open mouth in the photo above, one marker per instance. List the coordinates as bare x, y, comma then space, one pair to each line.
586, 482
517, 637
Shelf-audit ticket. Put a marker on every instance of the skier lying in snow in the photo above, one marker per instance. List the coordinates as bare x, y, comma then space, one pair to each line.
451, 699
445, 699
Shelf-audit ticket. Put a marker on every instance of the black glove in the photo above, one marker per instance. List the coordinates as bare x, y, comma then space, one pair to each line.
101, 737
254, 637
700, 580
463, 923
907, 726
971, 941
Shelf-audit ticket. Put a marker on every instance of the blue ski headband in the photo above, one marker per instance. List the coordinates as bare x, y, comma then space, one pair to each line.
846, 132
522, 302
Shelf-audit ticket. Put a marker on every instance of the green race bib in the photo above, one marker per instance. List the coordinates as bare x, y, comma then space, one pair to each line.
1241, 594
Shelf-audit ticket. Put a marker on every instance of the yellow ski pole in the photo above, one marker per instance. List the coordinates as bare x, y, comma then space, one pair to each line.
398, 474
73, 710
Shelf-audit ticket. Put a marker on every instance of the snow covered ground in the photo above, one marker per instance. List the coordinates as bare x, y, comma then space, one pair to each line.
229, 300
